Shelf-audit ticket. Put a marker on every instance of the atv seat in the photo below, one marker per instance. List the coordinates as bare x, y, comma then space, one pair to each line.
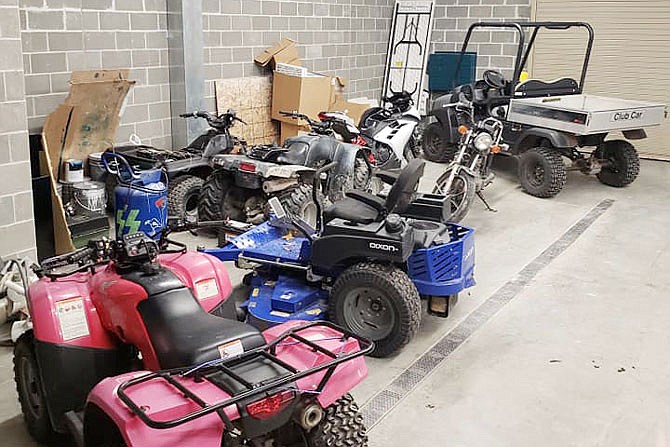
364, 208
183, 334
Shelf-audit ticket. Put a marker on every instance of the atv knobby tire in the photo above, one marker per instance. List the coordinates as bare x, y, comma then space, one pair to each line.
624, 160
434, 145
32, 398
298, 202
342, 425
542, 172
183, 196
362, 174
387, 289
221, 199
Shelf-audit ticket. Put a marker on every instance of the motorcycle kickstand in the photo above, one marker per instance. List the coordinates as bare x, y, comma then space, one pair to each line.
488, 207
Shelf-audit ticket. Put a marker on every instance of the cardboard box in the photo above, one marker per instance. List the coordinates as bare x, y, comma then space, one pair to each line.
351, 109
289, 130
284, 52
309, 95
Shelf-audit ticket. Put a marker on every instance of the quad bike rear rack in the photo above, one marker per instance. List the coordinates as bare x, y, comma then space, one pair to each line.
267, 352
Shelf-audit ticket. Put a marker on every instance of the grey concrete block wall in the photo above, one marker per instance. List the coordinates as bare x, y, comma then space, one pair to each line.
347, 38
495, 49
17, 231
67, 35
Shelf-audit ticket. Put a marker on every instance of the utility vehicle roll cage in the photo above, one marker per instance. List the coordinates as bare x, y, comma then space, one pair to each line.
523, 51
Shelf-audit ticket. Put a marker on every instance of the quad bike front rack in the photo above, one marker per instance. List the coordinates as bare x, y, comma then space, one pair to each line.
249, 390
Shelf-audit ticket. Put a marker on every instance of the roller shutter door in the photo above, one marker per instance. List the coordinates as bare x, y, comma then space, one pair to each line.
630, 58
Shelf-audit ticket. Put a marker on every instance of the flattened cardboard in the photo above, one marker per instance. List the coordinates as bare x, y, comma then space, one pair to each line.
283, 51
86, 122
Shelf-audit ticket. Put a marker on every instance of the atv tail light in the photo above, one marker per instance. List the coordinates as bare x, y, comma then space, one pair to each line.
269, 406
247, 167
462, 129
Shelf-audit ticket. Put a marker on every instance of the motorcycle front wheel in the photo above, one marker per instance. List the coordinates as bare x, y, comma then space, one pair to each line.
459, 194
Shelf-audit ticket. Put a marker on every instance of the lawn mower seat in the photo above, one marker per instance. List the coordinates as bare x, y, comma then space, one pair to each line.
183, 334
364, 208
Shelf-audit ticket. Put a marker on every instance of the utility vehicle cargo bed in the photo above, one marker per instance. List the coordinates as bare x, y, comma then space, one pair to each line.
585, 114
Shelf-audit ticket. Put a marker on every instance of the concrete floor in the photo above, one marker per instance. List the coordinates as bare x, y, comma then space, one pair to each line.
578, 357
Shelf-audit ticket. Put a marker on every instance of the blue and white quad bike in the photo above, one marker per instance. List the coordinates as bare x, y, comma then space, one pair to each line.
366, 266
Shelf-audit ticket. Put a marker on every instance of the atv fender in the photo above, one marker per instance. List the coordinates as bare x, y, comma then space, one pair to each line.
530, 138
342, 177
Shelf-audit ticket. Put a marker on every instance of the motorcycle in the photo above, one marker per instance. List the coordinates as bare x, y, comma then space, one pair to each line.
470, 171
389, 132
241, 184
135, 343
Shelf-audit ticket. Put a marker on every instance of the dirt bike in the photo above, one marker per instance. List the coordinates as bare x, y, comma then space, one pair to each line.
388, 131
470, 171
242, 184
134, 343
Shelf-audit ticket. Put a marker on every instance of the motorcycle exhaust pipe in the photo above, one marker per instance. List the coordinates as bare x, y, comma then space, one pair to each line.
310, 416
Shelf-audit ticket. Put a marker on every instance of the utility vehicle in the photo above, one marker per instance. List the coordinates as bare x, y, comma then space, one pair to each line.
545, 121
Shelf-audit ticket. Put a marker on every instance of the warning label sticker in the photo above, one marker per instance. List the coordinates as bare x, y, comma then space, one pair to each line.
231, 349
206, 288
72, 318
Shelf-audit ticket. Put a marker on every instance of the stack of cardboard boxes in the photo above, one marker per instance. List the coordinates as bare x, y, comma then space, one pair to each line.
296, 89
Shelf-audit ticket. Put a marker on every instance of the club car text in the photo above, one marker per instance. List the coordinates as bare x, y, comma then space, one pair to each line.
627, 116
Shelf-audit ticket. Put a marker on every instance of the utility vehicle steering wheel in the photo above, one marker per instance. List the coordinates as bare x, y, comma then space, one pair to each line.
494, 79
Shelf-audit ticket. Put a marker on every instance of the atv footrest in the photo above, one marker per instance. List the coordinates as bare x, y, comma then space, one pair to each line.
225, 374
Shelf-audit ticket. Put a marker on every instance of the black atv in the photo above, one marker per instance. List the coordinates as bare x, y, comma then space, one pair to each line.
187, 168
241, 184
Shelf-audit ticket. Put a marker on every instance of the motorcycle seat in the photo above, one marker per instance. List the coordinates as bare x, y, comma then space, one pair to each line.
364, 208
183, 334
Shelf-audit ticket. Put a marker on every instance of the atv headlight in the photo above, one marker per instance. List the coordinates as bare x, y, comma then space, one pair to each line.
483, 141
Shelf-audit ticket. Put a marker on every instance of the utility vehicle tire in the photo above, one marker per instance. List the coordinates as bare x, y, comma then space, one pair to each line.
542, 172
362, 174
220, 198
31, 394
111, 182
183, 196
625, 161
435, 147
341, 426
298, 202
379, 302
365, 120
461, 194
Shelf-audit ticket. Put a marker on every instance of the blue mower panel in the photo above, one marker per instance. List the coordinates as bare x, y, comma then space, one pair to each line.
445, 269
267, 243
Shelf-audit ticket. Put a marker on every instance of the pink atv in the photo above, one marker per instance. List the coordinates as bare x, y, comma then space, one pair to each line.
136, 346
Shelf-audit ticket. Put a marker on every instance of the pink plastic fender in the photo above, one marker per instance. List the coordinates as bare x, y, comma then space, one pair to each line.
205, 275
162, 402
63, 313
347, 375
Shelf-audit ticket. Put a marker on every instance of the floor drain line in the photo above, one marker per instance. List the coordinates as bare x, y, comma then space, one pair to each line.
375, 409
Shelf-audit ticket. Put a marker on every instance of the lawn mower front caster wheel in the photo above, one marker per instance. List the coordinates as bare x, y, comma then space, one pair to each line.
542, 172
32, 398
183, 194
623, 163
379, 302
435, 147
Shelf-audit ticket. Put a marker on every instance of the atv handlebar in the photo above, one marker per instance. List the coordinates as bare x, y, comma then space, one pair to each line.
223, 121
318, 127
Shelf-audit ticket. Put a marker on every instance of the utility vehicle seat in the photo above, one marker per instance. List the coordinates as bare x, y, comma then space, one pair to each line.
535, 87
184, 334
364, 208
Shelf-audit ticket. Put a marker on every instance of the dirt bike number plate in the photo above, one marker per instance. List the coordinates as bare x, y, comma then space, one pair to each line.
72, 318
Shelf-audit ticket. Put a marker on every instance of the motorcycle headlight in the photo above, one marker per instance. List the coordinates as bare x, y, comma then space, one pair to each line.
483, 141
